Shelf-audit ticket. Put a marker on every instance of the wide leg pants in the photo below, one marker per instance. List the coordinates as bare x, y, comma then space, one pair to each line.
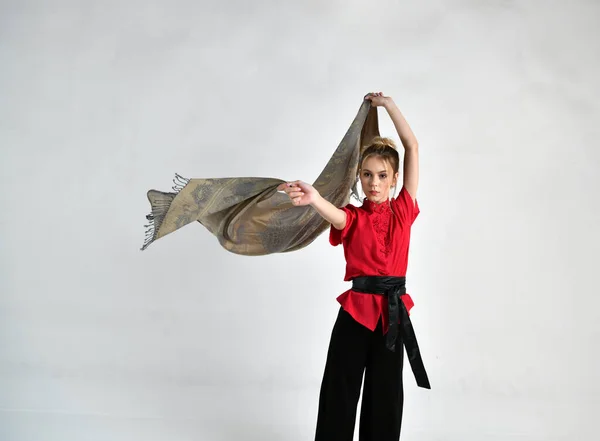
354, 350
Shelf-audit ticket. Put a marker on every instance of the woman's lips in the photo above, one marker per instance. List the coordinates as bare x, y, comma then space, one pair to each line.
374, 193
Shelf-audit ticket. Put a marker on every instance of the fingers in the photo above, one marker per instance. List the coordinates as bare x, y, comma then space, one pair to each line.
293, 184
285, 186
295, 194
292, 189
375, 98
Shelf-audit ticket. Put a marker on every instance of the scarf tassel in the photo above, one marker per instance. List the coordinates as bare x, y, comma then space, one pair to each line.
160, 203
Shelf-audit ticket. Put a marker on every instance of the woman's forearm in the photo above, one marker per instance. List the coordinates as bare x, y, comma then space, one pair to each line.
407, 137
330, 212
410, 177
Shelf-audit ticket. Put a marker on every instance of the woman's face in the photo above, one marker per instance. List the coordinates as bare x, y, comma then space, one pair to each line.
377, 178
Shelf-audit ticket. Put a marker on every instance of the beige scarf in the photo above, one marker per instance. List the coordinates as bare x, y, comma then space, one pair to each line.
248, 215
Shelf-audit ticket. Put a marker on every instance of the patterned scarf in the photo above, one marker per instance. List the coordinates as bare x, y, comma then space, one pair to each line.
248, 215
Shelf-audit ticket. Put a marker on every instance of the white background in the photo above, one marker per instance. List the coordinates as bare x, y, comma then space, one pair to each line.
102, 100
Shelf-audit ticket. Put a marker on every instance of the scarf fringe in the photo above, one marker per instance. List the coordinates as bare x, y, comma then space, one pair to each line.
179, 182
160, 203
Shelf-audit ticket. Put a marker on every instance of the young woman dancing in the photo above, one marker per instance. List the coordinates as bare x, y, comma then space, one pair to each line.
373, 324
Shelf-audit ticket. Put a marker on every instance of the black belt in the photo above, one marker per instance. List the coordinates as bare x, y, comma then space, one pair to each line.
394, 288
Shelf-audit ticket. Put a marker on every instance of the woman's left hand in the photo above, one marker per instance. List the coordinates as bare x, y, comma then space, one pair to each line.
378, 99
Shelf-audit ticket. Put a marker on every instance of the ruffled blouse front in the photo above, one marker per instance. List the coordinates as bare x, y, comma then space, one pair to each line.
376, 242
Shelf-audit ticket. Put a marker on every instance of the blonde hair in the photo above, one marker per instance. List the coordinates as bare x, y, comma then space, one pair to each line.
385, 148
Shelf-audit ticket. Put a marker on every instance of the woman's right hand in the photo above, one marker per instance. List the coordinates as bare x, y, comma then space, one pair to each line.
299, 192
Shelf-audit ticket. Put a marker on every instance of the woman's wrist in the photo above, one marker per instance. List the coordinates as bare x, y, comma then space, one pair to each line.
317, 200
389, 104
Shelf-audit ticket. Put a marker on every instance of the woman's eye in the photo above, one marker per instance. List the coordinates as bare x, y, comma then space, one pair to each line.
382, 176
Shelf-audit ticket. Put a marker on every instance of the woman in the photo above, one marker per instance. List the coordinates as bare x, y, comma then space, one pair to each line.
365, 337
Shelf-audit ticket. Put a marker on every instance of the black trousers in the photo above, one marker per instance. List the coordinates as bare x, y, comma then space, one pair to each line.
354, 350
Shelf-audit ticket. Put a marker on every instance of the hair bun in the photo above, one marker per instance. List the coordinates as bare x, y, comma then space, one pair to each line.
380, 142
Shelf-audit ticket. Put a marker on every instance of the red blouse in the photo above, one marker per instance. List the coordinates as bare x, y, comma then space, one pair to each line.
376, 241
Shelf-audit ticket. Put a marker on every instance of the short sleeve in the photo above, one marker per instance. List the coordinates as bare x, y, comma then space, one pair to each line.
406, 209
336, 236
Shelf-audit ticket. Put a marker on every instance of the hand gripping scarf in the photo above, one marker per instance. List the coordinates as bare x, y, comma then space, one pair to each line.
248, 215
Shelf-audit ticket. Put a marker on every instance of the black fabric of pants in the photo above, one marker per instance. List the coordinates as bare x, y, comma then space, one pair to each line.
355, 350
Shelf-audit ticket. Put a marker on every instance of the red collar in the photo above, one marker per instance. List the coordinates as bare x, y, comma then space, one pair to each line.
373, 207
